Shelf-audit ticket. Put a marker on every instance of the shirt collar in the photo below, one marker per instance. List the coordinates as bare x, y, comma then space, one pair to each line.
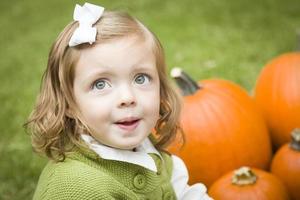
139, 157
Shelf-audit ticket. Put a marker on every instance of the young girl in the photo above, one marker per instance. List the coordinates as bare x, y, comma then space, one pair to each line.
105, 112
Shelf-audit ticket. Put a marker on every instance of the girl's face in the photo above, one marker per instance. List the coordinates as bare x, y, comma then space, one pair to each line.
116, 88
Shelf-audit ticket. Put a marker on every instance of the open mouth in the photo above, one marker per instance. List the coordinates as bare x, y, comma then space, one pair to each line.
128, 125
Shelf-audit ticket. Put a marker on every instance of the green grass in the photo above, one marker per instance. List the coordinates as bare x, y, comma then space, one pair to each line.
208, 38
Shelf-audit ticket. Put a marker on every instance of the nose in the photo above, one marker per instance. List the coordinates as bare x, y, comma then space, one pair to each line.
126, 97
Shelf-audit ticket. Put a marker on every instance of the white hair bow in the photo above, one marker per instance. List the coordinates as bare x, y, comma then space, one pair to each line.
86, 15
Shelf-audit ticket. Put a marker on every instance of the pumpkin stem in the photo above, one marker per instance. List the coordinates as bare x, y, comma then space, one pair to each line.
295, 143
186, 84
243, 176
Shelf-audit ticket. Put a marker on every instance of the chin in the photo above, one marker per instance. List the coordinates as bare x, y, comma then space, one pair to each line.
130, 145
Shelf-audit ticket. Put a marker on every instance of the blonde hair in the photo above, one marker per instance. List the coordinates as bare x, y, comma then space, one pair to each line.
54, 131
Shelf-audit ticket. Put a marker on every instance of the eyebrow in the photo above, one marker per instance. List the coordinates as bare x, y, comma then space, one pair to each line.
136, 68
90, 77
142, 68
106, 72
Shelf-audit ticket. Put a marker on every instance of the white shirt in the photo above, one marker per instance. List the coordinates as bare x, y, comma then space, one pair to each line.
179, 179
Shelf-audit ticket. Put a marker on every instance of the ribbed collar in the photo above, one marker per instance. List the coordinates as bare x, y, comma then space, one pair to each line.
139, 157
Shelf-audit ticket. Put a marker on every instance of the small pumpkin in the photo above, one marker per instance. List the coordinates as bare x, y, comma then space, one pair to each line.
223, 129
248, 184
286, 165
277, 93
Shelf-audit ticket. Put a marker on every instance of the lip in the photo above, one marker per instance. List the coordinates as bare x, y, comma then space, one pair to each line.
128, 124
128, 119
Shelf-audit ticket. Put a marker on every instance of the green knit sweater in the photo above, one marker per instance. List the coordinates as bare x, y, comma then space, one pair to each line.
84, 175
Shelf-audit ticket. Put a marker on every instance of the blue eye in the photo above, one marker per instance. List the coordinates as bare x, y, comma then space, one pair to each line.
100, 84
142, 78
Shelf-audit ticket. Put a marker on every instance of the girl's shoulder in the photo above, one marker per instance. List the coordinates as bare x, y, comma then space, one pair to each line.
77, 177
79, 165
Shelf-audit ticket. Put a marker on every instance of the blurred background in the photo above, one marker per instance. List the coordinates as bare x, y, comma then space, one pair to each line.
230, 39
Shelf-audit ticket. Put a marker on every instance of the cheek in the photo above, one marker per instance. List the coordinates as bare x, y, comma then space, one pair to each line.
152, 106
156, 102
95, 111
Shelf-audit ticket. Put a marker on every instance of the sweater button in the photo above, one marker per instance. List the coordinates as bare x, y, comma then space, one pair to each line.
168, 196
139, 181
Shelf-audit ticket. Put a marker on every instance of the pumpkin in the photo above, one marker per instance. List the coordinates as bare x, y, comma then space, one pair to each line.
248, 184
277, 93
223, 129
286, 165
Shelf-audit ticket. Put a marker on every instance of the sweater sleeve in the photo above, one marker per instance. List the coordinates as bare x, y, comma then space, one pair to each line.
179, 181
72, 192
76, 182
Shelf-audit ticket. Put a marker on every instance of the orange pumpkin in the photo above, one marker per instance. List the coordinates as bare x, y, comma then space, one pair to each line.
277, 93
286, 165
223, 129
248, 184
